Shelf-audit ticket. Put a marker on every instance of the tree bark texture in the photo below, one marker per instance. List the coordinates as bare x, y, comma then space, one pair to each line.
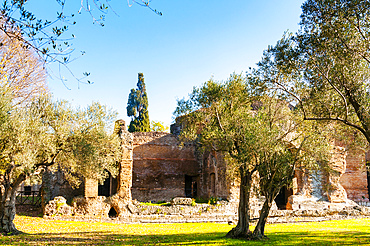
259, 231
242, 228
7, 207
7, 214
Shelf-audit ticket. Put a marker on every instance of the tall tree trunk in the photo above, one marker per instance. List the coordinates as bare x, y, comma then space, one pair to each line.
259, 231
7, 207
242, 228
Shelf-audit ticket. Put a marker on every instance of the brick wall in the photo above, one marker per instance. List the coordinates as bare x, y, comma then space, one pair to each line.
160, 165
354, 180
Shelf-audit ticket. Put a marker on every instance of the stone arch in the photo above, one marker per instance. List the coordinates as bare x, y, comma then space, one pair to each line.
112, 213
281, 199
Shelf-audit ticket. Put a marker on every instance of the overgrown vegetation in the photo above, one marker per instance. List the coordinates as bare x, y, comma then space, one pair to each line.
40, 232
159, 203
158, 126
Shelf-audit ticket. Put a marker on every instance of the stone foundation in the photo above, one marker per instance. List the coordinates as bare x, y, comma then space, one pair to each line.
98, 209
156, 166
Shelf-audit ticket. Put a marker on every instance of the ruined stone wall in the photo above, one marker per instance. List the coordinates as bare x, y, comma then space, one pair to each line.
155, 166
55, 184
90, 188
354, 180
214, 180
160, 165
345, 179
126, 165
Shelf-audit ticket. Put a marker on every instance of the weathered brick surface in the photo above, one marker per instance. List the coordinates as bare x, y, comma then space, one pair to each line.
214, 181
155, 166
125, 168
336, 192
157, 138
354, 180
160, 164
91, 188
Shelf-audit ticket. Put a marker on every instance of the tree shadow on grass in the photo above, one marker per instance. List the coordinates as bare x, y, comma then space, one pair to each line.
106, 238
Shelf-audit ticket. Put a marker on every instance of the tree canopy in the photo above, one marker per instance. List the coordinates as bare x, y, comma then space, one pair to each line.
325, 65
37, 133
256, 133
21, 70
53, 135
158, 126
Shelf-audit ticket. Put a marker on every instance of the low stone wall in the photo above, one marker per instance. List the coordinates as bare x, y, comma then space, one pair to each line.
99, 209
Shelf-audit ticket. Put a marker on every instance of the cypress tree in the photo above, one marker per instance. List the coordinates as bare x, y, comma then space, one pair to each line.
137, 107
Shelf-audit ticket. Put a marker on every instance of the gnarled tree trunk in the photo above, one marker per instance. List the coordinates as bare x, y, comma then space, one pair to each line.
242, 228
259, 231
7, 206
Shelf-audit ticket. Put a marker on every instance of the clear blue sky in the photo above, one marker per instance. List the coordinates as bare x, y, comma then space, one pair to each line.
191, 42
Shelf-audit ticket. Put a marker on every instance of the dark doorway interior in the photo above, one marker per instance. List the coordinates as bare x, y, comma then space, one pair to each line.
282, 198
109, 187
213, 184
190, 186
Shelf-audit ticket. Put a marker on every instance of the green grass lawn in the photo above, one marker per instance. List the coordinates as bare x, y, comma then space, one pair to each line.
45, 232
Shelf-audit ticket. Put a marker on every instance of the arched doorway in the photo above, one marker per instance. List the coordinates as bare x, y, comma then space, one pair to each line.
282, 198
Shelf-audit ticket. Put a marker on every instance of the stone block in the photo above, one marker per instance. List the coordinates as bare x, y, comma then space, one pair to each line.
58, 207
91, 188
126, 154
181, 201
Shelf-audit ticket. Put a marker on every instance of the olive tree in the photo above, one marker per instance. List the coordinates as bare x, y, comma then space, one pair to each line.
286, 143
326, 64
51, 134
219, 117
257, 134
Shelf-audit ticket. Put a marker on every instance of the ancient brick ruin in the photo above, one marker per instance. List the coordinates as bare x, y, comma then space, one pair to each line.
156, 166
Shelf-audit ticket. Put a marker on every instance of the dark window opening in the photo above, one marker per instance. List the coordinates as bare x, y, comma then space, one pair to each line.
191, 186
282, 198
112, 213
109, 187
27, 190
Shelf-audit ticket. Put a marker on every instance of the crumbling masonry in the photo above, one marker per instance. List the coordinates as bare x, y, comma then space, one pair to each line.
155, 166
